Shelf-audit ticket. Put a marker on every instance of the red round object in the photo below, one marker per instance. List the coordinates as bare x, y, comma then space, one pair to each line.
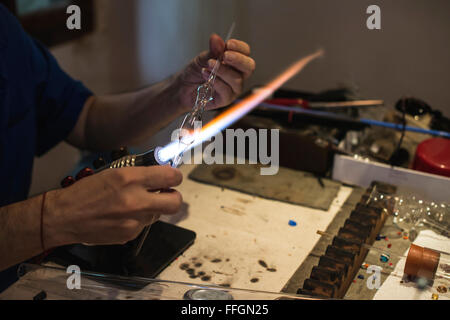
433, 156
86, 172
67, 182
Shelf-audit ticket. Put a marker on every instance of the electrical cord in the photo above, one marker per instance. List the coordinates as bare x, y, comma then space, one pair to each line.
396, 154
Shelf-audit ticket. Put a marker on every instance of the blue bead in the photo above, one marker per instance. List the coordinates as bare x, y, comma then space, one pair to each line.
385, 257
360, 276
292, 223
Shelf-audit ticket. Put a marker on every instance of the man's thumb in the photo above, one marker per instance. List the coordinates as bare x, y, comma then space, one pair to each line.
216, 46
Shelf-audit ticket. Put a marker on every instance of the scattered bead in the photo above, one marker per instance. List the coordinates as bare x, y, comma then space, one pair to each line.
442, 289
385, 257
387, 239
360, 276
292, 223
399, 233
67, 182
378, 238
389, 245
390, 263
86, 172
422, 283
435, 296
364, 266
405, 237
354, 281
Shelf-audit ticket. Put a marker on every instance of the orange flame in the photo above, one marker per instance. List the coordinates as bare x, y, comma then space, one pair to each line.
240, 109
262, 94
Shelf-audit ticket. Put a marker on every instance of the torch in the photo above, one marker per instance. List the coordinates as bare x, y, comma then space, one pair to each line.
165, 155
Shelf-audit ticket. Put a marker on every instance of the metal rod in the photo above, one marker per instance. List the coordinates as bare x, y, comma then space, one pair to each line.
346, 104
141, 240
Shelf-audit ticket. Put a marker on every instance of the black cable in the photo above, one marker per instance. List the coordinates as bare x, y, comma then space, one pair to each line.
396, 153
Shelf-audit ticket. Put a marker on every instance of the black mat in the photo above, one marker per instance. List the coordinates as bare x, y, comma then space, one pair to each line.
165, 242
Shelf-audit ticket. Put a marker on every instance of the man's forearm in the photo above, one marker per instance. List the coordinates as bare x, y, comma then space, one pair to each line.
20, 237
129, 119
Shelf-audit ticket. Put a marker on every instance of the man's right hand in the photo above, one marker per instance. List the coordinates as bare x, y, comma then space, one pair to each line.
111, 207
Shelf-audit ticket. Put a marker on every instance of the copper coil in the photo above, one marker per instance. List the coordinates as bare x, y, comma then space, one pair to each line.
421, 262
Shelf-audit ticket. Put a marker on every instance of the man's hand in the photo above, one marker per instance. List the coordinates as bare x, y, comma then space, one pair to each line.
236, 67
111, 207
129, 119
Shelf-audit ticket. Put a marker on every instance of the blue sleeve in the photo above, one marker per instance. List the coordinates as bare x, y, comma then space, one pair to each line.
59, 99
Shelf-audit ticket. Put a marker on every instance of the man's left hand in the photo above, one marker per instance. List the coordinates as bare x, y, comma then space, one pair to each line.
236, 67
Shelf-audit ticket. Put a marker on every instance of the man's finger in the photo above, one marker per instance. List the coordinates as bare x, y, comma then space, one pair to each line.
216, 48
240, 62
155, 177
229, 75
223, 93
163, 203
202, 59
239, 46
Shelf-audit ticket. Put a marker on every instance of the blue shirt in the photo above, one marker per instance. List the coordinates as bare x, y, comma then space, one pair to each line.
39, 106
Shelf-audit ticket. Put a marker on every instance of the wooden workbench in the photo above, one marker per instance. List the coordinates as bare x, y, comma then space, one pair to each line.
237, 234
242, 241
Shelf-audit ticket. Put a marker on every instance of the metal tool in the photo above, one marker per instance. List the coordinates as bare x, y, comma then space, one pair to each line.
325, 104
207, 294
368, 122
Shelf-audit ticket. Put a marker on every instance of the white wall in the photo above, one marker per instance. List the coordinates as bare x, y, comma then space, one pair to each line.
410, 55
172, 32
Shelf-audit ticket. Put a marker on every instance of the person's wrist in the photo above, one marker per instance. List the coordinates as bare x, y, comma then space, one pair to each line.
55, 227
